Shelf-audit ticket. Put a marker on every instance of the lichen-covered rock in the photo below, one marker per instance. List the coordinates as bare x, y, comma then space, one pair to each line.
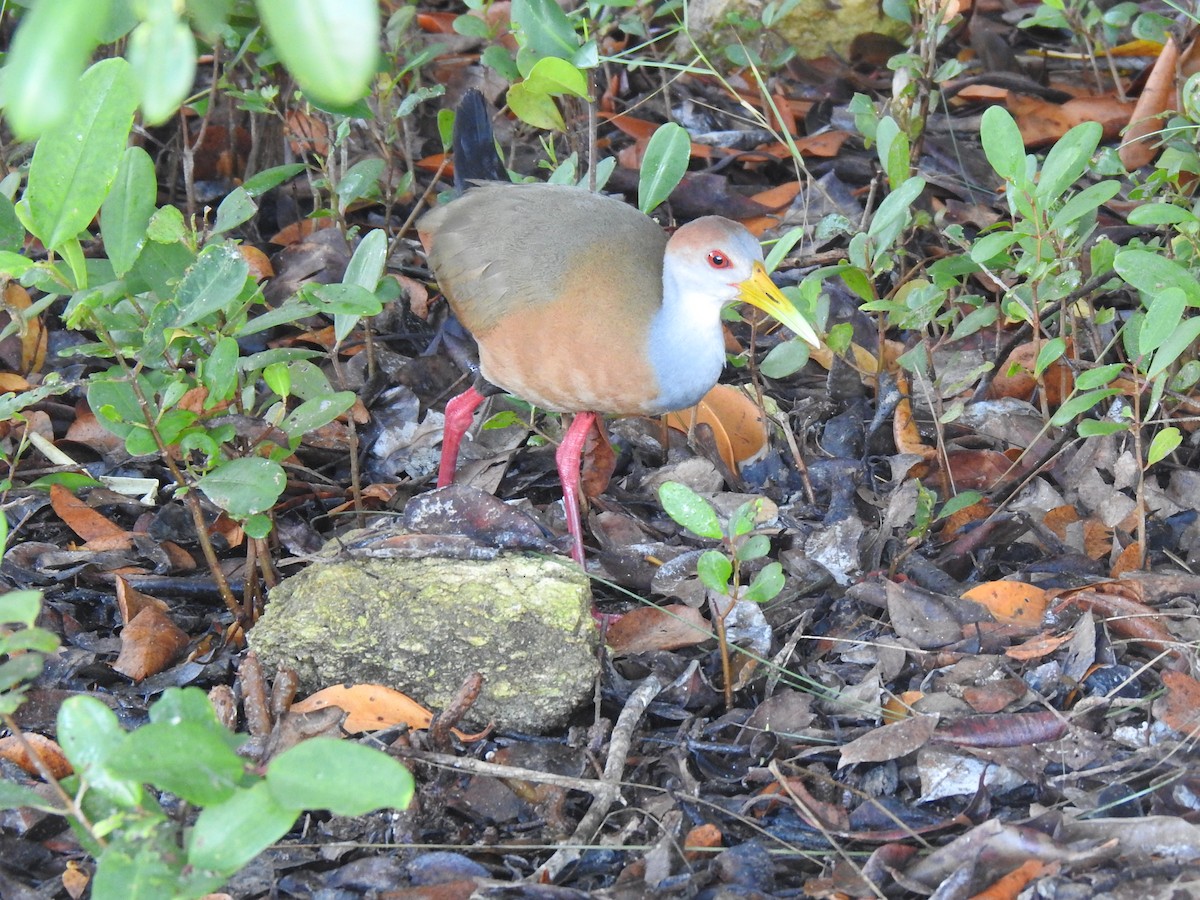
422, 626
813, 27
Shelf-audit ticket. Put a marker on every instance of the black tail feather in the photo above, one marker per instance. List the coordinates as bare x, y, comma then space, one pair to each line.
475, 156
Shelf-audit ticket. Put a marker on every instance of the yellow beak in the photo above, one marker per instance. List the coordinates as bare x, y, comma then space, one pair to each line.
760, 291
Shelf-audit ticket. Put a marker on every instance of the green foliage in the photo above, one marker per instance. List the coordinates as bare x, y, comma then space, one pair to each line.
22, 645
141, 851
663, 166
720, 570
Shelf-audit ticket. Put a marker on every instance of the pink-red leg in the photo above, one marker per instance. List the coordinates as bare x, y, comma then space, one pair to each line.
460, 412
569, 459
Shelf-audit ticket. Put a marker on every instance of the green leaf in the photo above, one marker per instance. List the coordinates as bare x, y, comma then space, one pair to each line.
534, 108
137, 868
544, 29
1164, 312
184, 758
1052, 350
236, 208
313, 414
75, 163
366, 265
663, 166
228, 835
1096, 428
20, 607
715, 570
261, 182
211, 284
127, 209
1151, 273
1098, 377
1080, 404
1164, 444
360, 180
1173, 347
557, 77
243, 487
1002, 143
90, 735
1067, 160
754, 547
992, 244
52, 45
15, 796
162, 53
345, 299
785, 359
959, 501
330, 46
345, 778
689, 509
218, 373
1086, 201
766, 585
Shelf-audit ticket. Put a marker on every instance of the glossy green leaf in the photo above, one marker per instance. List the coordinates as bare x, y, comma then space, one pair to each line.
544, 29
766, 585
689, 509
366, 265
243, 487
1050, 351
76, 162
715, 570
330, 46
317, 412
261, 182
1081, 403
557, 77
127, 209
534, 108
1163, 445
1174, 346
212, 284
1098, 377
52, 45
20, 607
228, 835
162, 52
184, 758
345, 778
1002, 143
1067, 160
785, 359
1164, 312
236, 208
1152, 272
663, 165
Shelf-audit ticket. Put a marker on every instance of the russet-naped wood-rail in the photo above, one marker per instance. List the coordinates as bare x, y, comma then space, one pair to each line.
581, 304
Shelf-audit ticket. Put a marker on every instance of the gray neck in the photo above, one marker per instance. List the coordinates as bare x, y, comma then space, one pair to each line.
686, 345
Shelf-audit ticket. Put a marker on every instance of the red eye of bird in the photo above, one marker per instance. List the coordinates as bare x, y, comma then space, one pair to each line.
718, 260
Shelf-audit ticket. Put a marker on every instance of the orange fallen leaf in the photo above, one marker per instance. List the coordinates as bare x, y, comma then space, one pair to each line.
46, 750
1012, 602
370, 707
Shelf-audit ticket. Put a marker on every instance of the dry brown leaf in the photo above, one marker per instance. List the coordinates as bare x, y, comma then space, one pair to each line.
47, 751
1179, 707
1038, 646
889, 741
149, 644
83, 520
649, 628
1141, 143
